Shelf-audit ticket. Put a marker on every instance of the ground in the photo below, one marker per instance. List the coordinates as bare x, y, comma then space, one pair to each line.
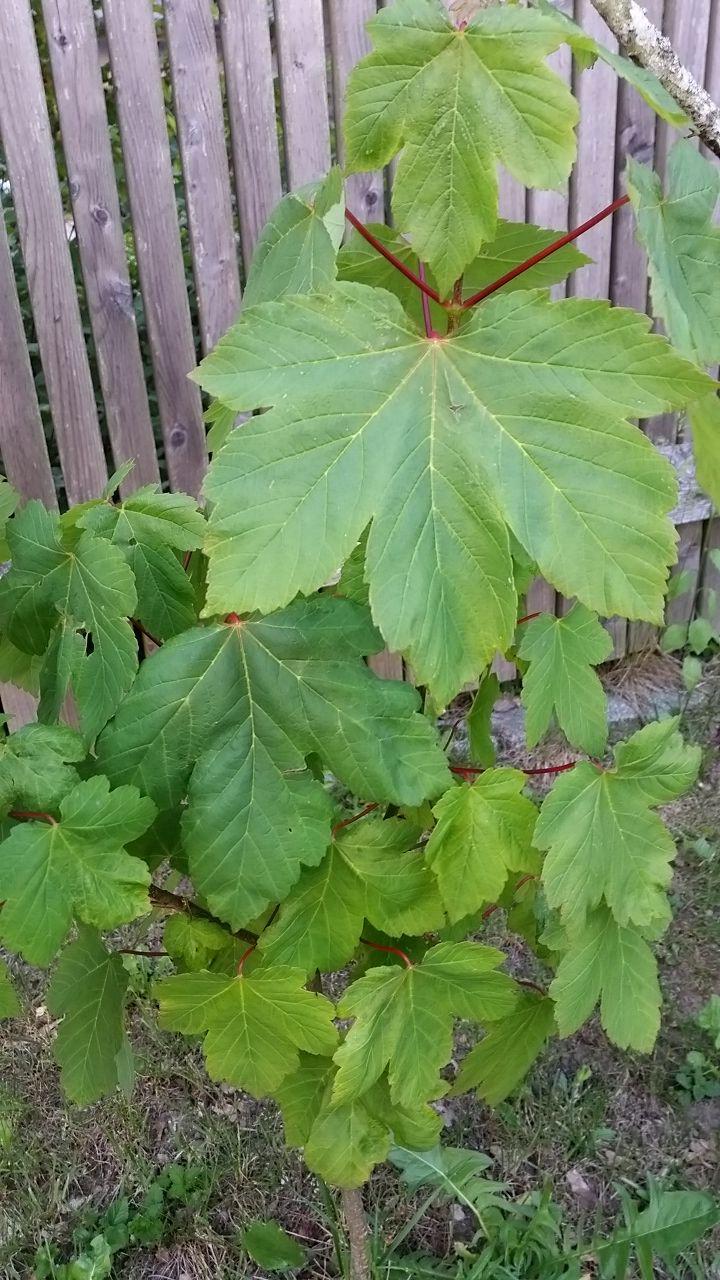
589, 1118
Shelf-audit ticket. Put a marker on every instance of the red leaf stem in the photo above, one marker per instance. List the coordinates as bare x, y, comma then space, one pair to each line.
137, 623
427, 319
394, 951
489, 911
390, 257
347, 822
545, 253
533, 986
29, 815
243, 958
528, 618
471, 771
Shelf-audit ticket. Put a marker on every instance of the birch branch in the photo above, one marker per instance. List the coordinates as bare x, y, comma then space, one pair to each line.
642, 41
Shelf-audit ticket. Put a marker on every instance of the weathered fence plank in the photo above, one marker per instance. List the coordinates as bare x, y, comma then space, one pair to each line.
349, 42
22, 439
199, 114
72, 42
300, 39
27, 139
141, 110
251, 110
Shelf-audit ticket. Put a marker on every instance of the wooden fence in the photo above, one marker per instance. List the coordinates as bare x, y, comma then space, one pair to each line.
218, 108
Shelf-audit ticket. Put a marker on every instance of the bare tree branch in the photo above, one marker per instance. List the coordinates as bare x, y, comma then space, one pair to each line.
642, 41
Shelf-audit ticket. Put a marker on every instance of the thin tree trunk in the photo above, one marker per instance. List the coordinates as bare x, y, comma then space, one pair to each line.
358, 1234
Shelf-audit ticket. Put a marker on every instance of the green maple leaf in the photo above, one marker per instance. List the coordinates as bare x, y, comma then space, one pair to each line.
404, 1017
9, 1003
439, 443
61, 577
471, 96
483, 832
344, 1141
36, 766
74, 866
705, 423
560, 680
502, 1059
297, 250
88, 992
614, 965
370, 873
194, 942
512, 245
603, 839
683, 247
240, 707
254, 1024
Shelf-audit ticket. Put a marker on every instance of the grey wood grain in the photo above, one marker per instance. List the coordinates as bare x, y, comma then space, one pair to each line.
349, 43
75, 61
141, 111
27, 139
199, 115
250, 91
303, 89
22, 439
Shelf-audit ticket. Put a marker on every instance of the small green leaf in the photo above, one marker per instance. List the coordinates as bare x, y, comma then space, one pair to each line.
88, 991
674, 637
193, 941
37, 766
121, 473
297, 249
271, 1247
692, 671
701, 634
560, 679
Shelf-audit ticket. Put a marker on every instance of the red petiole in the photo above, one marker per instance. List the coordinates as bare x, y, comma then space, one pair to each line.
390, 256
393, 951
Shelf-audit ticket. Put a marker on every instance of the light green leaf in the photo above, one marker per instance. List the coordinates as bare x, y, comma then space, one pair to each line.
692, 672
705, 423
76, 865
36, 766
88, 992
671, 1223
612, 964
345, 1143
674, 637
502, 1059
249, 703
455, 1171
9, 1003
601, 836
683, 247
271, 1247
560, 678
701, 634
479, 721
483, 832
193, 941
369, 873
255, 1023
431, 441
300, 1097
152, 518
468, 94
404, 1016
9, 499
116, 479
222, 421
297, 250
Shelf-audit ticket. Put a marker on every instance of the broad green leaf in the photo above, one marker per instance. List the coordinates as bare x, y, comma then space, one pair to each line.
300, 1097
74, 866
683, 247
240, 707
614, 965
603, 839
705, 423
297, 250
432, 440
271, 1247
36, 766
345, 1143
560, 679
165, 595
369, 873
254, 1023
502, 1059
483, 832
193, 941
404, 1017
85, 582
455, 103
88, 992
9, 1003
671, 1223
455, 1171
479, 721
17, 667
151, 518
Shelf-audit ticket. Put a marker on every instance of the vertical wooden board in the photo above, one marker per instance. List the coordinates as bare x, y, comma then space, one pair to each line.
201, 129
73, 46
710, 574
689, 554
250, 88
511, 198
22, 439
141, 112
300, 39
350, 42
389, 666
687, 25
28, 143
